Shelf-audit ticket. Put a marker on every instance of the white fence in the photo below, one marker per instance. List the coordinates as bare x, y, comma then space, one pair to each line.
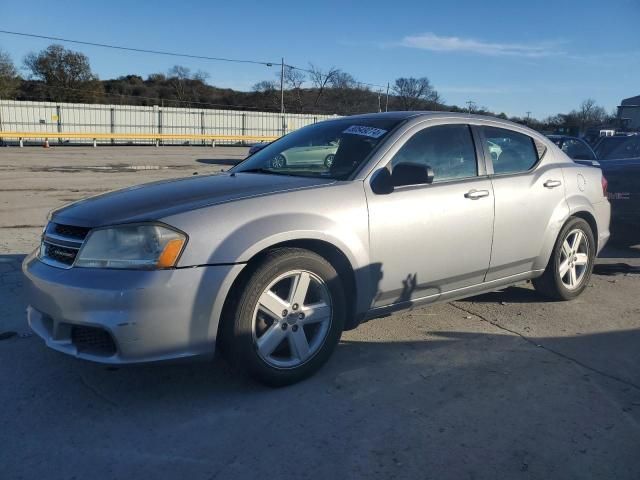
51, 117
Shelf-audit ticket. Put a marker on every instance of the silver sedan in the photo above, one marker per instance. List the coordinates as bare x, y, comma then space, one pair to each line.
272, 262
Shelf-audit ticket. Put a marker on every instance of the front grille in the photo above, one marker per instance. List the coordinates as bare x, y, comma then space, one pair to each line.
70, 231
61, 243
93, 340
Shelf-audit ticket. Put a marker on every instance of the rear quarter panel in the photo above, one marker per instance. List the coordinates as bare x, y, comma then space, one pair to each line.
583, 186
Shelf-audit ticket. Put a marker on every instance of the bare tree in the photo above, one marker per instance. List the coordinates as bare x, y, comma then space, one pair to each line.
293, 78
320, 79
265, 86
590, 113
201, 76
178, 77
293, 81
413, 92
9, 79
343, 80
270, 91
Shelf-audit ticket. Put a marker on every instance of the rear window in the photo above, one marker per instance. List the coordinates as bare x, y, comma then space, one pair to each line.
618, 148
511, 152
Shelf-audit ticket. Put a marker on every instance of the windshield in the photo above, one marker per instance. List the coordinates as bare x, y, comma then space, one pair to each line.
618, 148
330, 149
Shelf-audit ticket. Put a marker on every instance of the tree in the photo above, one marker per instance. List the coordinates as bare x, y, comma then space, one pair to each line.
320, 79
9, 79
293, 80
265, 86
590, 114
414, 92
343, 80
178, 76
268, 92
68, 73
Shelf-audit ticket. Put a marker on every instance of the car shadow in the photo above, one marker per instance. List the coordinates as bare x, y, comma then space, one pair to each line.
516, 294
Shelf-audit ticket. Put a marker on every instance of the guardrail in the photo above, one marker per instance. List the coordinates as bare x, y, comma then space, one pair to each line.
158, 137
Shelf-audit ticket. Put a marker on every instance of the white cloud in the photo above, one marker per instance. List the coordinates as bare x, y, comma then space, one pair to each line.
436, 43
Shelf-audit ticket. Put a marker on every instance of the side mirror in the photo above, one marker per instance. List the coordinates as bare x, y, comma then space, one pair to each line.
408, 173
381, 182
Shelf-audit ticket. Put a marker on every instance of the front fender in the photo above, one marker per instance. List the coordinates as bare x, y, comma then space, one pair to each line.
233, 233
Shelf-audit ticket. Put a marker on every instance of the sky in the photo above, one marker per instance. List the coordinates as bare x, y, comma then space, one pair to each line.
542, 57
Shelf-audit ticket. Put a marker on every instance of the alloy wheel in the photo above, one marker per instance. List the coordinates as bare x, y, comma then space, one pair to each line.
292, 319
328, 161
278, 161
574, 259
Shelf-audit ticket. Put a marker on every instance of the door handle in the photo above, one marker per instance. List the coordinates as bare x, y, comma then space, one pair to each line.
552, 183
476, 194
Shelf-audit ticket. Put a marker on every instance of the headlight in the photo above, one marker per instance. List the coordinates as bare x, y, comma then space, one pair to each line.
132, 246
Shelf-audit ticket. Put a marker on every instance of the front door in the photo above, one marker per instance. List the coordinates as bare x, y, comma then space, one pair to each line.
432, 238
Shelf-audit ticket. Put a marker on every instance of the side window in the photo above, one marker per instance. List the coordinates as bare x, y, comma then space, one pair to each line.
577, 149
447, 149
511, 152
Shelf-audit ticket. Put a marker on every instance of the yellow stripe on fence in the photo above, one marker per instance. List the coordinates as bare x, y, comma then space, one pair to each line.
136, 136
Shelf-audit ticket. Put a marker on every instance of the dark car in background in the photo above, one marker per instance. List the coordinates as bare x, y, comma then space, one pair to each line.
618, 147
575, 148
619, 158
256, 147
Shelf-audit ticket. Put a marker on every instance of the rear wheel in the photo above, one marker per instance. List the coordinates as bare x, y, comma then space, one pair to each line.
278, 161
288, 318
571, 263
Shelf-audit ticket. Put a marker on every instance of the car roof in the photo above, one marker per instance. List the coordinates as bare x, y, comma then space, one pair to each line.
405, 115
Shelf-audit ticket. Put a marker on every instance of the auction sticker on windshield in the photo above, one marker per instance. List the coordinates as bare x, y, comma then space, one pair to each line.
365, 131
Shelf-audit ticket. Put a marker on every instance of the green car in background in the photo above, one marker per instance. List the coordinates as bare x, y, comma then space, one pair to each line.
321, 155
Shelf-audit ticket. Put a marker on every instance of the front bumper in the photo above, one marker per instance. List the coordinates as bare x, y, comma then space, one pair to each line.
147, 315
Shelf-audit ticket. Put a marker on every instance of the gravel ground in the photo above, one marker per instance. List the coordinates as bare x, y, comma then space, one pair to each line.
504, 385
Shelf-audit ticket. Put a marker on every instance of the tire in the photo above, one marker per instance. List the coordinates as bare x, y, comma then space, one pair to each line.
566, 286
302, 336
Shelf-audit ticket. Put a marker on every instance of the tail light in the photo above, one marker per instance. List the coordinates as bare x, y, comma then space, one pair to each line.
605, 185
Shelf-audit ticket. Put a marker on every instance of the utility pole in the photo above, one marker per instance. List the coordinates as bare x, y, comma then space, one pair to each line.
284, 124
470, 104
386, 105
528, 117
282, 86
379, 104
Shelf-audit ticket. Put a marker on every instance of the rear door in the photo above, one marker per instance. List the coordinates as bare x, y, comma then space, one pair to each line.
527, 196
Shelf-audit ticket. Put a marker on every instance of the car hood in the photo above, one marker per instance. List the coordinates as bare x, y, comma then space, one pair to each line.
154, 201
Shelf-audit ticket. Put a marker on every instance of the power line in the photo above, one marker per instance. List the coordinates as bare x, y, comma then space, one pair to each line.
140, 50
171, 54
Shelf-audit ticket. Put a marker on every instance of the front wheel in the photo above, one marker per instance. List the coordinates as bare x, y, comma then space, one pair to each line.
288, 318
328, 160
569, 269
